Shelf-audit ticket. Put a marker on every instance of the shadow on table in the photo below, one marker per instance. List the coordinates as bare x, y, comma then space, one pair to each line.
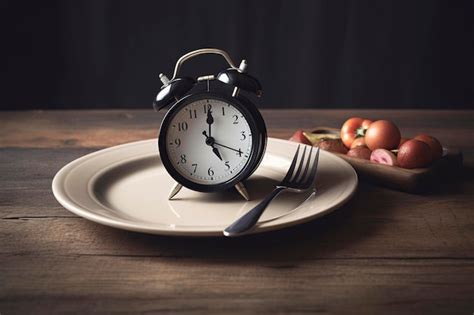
327, 237
456, 182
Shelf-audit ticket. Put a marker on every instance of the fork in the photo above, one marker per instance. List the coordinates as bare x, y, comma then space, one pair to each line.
295, 181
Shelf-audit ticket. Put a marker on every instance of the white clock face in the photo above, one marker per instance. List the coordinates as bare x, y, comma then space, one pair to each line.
209, 141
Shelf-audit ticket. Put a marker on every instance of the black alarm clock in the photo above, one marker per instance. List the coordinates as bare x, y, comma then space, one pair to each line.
212, 138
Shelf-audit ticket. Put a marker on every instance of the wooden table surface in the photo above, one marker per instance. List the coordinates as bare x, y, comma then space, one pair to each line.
383, 252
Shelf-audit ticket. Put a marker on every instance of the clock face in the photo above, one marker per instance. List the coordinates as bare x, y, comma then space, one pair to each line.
209, 141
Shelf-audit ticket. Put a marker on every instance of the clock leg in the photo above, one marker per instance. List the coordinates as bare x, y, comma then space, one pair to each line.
242, 191
176, 188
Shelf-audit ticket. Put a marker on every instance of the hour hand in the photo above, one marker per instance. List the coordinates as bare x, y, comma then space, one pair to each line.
210, 142
216, 152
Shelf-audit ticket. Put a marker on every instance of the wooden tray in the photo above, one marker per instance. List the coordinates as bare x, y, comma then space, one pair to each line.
409, 180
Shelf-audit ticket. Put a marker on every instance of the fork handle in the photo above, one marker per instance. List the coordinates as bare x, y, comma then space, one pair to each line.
248, 220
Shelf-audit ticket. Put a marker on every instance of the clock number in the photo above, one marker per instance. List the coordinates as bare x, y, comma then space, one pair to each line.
236, 119
223, 111
227, 166
210, 171
177, 141
192, 114
243, 136
183, 126
195, 167
206, 107
240, 153
183, 158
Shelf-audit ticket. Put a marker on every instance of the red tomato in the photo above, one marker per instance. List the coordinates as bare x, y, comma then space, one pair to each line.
414, 154
366, 123
353, 127
435, 145
358, 142
382, 134
402, 141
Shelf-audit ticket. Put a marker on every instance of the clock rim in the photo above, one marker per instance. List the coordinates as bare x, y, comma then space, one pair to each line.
257, 127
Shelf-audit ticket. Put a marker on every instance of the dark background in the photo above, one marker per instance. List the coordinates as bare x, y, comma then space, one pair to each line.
319, 54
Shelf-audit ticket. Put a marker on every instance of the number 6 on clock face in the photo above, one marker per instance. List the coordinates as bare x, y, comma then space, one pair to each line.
210, 142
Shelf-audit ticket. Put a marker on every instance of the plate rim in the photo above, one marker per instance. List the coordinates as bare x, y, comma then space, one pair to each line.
60, 194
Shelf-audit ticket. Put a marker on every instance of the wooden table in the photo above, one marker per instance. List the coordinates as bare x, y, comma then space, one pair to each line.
384, 252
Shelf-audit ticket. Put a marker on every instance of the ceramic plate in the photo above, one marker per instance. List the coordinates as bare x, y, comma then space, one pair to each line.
126, 187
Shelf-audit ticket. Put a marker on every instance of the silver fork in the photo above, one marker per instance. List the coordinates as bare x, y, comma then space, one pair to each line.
295, 181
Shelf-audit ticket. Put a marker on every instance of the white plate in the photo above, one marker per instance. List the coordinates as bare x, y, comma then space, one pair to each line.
126, 187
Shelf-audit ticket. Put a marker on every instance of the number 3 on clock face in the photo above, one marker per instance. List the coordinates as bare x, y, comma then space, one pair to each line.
209, 142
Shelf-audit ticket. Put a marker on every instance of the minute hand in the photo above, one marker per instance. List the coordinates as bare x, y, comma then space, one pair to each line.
209, 120
224, 146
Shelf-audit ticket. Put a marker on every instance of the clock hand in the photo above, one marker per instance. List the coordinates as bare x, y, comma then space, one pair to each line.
210, 142
238, 151
216, 152
209, 120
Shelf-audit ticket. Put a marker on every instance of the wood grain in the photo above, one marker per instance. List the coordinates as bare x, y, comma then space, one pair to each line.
383, 252
102, 128
171, 285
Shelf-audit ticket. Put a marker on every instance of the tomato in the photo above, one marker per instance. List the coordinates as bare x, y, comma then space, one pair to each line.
383, 156
299, 137
402, 141
366, 123
353, 127
360, 152
358, 142
382, 134
435, 145
414, 154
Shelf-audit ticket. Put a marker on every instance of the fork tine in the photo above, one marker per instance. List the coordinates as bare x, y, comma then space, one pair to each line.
300, 166
308, 161
312, 172
292, 166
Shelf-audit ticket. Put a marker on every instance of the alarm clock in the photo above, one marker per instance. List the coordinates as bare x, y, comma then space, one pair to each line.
212, 137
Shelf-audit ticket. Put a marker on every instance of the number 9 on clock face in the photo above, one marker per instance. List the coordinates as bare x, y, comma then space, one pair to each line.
211, 142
